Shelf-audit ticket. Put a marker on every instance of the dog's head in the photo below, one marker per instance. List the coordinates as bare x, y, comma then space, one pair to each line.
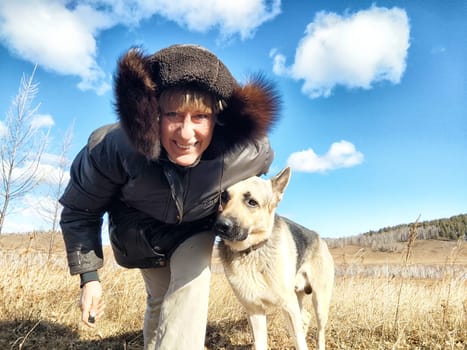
246, 215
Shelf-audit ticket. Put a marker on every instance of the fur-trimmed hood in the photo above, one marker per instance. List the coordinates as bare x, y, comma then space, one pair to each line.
250, 112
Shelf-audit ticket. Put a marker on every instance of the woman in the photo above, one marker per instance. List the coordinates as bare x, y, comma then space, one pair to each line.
186, 131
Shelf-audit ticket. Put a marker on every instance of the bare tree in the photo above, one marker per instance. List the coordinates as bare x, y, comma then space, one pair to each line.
57, 180
62, 179
21, 148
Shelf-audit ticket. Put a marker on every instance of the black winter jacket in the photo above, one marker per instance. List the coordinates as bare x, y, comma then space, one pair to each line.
153, 205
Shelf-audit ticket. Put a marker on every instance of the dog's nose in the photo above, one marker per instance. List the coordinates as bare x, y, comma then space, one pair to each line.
222, 226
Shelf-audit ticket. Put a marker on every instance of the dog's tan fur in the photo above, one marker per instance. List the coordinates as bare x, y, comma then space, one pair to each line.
259, 250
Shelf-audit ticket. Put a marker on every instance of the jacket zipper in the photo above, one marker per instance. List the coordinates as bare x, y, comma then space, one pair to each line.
177, 195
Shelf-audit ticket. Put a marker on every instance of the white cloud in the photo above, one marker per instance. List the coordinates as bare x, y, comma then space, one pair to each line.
34, 210
231, 17
20, 223
53, 169
42, 121
44, 173
60, 35
51, 159
52, 175
55, 37
240, 17
342, 154
29, 214
353, 50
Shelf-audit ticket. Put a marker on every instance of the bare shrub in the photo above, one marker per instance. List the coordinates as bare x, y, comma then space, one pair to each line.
40, 307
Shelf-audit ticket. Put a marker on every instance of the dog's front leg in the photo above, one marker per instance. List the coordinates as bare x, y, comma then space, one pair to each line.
294, 317
260, 331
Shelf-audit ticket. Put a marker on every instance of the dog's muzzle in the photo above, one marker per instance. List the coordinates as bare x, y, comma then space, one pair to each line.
228, 229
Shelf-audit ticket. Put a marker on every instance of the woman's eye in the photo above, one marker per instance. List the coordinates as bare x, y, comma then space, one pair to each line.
201, 117
252, 203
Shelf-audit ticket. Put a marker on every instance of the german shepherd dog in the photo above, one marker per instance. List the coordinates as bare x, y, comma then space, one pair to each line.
271, 261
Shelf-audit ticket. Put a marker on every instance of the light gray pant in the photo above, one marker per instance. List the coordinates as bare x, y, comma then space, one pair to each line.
177, 297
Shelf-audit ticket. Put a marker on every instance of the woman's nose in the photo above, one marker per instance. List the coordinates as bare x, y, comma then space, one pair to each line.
186, 127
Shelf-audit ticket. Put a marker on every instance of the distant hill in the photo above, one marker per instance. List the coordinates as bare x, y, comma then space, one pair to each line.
451, 228
390, 238
373, 254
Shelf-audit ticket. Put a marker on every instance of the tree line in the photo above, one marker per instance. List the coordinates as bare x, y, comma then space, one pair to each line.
392, 238
452, 228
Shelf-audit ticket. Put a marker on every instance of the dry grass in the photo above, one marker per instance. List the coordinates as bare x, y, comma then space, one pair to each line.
39, 309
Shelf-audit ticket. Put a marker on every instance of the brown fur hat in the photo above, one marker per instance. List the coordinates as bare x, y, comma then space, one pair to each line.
250, 110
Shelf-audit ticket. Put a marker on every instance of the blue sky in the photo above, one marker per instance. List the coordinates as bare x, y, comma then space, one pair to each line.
374, 119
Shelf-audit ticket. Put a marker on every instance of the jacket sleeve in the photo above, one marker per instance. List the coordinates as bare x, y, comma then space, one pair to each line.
95, 178
252, 160
266, 155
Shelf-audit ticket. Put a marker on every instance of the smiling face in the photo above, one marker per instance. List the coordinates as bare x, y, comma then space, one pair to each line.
187, 120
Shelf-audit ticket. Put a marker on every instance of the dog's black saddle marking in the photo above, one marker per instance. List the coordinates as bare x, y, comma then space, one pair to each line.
302, 237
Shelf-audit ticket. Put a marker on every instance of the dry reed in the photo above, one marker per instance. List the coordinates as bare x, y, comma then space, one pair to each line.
39, 310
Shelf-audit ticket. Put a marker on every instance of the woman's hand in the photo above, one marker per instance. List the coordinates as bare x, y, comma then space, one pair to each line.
91, 303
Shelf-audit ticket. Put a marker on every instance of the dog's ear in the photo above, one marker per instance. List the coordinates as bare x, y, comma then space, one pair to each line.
279, 183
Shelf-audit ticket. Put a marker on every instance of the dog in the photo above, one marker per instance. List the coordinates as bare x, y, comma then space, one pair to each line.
271, 261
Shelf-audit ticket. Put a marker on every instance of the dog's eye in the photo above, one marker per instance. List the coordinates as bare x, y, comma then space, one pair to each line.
252, 203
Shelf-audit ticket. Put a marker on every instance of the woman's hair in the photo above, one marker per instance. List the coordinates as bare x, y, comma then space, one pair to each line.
183, 96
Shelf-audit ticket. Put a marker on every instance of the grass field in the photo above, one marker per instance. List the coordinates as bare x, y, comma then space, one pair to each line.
392, 310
